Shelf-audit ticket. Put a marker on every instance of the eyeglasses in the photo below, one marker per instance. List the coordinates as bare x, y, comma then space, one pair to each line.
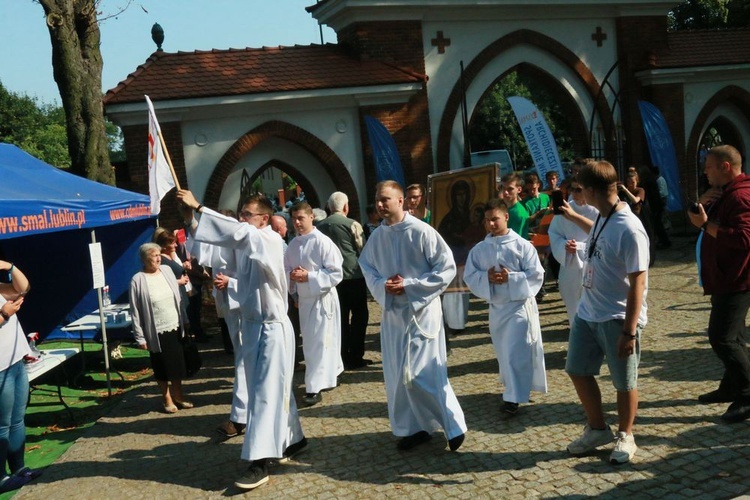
577, 189
245, 214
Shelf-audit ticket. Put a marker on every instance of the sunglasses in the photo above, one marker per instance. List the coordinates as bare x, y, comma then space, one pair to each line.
577, 190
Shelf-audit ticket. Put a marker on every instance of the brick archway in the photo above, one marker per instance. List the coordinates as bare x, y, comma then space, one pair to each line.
311, 196
577, 123
737, 96
325, 155
484, 58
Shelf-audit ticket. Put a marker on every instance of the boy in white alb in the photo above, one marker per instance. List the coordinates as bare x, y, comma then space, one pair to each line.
313, 265
504, 269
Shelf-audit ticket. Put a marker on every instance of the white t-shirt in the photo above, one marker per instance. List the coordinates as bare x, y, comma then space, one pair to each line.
13, 343
620, 249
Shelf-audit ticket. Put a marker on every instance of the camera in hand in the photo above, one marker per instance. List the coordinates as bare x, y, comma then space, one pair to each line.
694, 208
557, 201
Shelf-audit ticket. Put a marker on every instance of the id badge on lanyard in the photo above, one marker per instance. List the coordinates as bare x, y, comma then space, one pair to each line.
587, 279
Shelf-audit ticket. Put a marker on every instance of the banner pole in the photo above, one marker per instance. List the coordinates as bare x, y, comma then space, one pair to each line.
169, 159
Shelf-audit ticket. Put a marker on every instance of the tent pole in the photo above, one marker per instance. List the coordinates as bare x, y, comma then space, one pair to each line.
103, 324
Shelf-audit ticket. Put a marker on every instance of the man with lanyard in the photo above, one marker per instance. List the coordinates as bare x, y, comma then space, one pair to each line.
725, 274
611, 313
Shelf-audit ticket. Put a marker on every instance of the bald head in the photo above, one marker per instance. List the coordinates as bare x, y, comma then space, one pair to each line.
278, 224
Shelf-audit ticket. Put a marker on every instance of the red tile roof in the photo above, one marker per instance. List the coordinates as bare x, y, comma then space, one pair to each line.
184, 75
705, 48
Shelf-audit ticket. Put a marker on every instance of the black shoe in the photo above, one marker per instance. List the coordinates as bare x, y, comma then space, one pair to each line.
410, 442
357, 363
456, 442
256, 475
717, 396
737, 412
312, 399
292, 450
510, 408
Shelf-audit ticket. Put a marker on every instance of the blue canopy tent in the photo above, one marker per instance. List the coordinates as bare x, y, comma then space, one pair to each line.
46, 221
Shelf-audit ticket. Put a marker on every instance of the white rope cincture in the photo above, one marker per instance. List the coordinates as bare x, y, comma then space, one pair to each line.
408, 376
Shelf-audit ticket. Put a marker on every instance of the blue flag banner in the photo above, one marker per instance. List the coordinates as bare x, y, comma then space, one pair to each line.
661, 149
542, 145
384, 152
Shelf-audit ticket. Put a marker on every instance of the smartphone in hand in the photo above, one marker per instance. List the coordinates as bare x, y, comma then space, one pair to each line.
557, 201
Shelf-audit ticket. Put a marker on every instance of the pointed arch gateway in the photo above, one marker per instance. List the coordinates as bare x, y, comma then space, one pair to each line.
732, 95
332, 164
548, 45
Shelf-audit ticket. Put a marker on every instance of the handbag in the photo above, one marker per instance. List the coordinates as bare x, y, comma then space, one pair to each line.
193, 361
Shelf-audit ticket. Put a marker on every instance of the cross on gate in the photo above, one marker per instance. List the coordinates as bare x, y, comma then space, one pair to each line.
599, 36
441, 42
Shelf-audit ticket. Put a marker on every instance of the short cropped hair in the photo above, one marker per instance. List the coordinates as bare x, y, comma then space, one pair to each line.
389, 184
146, 249
301, 206
337, 201
512, 177
496, 204
164, 238
421, 188
264, 205
532, 178
600, 176
726, 153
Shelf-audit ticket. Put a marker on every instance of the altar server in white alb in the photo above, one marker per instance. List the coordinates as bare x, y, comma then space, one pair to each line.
313, 264
567, 240
223, 264
504, 269
407, 265
267, 340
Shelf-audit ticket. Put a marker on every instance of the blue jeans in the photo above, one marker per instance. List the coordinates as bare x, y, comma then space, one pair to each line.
14, 394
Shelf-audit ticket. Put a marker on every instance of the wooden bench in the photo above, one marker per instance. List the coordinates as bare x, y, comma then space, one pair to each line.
50, 360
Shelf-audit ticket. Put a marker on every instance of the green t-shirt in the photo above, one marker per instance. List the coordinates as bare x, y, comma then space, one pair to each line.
518, 220
533, 205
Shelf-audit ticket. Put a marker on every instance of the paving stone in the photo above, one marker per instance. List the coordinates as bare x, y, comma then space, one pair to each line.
684, 449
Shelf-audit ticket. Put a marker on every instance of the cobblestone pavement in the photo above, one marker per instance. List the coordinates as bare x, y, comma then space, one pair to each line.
684, 449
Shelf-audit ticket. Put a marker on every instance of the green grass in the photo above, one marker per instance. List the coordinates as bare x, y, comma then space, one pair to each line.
50, 430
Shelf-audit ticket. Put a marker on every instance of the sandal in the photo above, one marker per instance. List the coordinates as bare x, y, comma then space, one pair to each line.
184, 405
170, 408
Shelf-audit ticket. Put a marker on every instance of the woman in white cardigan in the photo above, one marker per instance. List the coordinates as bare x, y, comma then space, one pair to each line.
158, 326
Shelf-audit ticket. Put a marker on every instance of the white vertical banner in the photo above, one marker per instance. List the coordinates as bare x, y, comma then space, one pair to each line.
97, 264
160, 179
542, 145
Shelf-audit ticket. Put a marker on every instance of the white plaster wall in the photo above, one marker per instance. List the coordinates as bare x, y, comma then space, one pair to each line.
469, 38
206, 138
698, 94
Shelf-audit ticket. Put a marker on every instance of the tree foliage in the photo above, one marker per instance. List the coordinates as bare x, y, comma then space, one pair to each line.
494, 126
38, 129
710, 14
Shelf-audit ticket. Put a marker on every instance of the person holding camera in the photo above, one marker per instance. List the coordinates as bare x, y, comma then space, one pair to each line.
723, 216
568, 244
635, 196
14, 382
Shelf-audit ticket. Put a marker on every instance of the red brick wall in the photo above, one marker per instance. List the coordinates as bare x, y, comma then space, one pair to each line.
409, 124
638, 38
398, 42
136, 150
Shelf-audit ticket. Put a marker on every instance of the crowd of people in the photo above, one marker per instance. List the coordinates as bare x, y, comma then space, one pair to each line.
592, 235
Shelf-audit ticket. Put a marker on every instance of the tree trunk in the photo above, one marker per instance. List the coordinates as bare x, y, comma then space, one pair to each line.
77, 65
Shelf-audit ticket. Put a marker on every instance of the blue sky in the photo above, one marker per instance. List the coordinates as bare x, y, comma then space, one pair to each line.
25, 61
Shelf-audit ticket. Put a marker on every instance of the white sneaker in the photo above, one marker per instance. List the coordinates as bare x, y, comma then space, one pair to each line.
624, 450
590, 440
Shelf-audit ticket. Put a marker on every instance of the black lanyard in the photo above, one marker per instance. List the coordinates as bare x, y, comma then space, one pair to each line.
592, 246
